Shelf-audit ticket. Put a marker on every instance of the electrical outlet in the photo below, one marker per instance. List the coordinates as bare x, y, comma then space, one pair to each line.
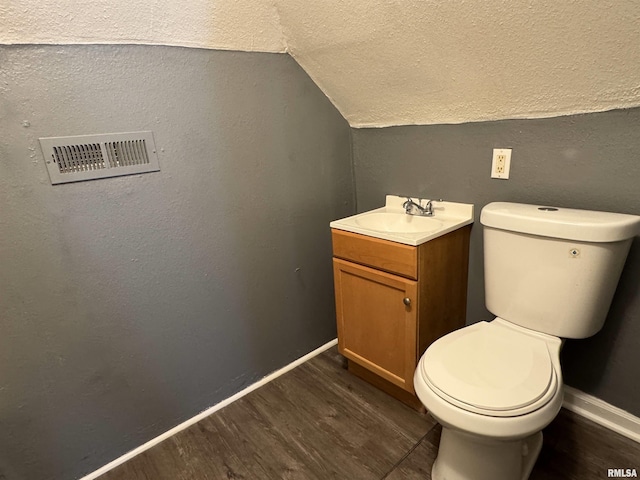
501, 163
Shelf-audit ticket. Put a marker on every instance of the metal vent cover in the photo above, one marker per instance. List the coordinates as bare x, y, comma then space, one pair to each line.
87, 157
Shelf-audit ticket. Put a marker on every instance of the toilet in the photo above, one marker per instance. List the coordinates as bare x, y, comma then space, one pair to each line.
550, 274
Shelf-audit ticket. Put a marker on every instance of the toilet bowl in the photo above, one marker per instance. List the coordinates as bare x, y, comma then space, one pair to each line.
550, 273
493, 387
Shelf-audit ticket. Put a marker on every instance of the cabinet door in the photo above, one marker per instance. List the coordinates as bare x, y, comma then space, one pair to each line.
376, 314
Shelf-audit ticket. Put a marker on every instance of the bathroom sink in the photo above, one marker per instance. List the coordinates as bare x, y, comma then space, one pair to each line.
398, 222
391, 222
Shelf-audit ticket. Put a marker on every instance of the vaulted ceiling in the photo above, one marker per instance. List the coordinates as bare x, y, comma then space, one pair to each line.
425, 61
389, 62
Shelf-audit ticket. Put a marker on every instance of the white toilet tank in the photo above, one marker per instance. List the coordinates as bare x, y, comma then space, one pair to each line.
554, 270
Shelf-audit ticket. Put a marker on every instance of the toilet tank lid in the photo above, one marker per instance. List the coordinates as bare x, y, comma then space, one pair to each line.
556, 222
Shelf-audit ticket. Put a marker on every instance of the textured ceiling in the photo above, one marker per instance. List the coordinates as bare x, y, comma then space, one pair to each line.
389, 62
249, 25
425, 62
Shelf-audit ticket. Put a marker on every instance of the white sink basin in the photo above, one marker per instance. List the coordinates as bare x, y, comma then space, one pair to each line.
397, 222
392, 223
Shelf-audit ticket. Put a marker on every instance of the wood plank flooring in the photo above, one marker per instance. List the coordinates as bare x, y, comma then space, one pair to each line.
320, 422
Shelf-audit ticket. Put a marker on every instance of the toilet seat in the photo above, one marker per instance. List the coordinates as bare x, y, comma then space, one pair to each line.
491, 369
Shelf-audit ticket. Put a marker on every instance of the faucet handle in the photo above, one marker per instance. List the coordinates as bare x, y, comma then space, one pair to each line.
408, 205
427, 210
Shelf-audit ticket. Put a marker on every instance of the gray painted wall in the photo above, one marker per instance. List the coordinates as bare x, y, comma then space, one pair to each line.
586, 161
130, 304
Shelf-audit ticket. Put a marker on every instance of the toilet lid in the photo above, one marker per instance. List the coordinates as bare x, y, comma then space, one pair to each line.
490, 368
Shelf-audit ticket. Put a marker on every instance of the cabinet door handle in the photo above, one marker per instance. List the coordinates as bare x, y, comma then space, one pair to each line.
406, 301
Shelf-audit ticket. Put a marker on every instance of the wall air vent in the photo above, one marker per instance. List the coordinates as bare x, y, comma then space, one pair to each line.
87, 157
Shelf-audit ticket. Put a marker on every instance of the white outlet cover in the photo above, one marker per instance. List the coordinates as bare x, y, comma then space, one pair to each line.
495, 170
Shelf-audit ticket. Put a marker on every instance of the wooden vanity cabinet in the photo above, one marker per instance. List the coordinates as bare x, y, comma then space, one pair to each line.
394, 300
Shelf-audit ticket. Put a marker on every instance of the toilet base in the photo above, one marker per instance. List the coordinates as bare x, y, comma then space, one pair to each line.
462, 456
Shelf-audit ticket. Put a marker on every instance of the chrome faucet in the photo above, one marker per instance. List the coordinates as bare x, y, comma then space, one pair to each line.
427, 211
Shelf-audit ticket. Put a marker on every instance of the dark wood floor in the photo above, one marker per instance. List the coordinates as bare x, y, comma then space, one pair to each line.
320, 422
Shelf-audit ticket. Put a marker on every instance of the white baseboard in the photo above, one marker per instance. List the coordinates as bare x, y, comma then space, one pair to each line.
602, 413
209, 411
